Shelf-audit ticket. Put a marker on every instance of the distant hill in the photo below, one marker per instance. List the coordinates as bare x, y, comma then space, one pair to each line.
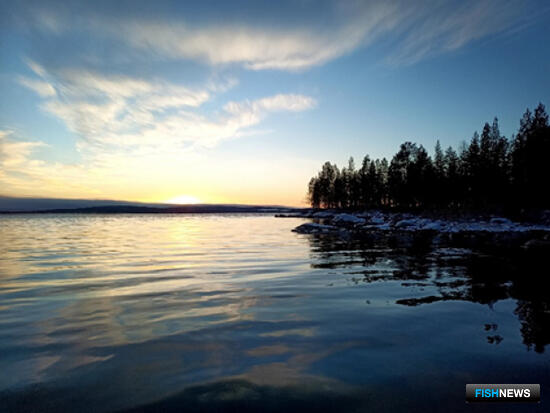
90, 206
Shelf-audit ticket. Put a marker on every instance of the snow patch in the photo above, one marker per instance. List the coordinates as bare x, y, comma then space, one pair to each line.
348, 219
405, 223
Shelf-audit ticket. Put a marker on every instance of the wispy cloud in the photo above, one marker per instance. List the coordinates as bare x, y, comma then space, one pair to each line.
128, 126
44, 89
152, 175
444, 28
14, 154
120, 111
22, 173
95, 70
256, 48
412, 31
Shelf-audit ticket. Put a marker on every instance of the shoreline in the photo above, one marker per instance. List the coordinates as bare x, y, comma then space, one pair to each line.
497, 232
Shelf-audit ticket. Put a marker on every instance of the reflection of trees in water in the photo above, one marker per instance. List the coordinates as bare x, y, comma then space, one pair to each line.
455, 269
535, 319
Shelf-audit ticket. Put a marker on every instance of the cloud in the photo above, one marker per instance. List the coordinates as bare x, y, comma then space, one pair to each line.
22, 173
35, 67
446, 29
14, 154
128, 127
128, 130
142, 174
410, 31
124, 112
254, 48
280, 102
44, 89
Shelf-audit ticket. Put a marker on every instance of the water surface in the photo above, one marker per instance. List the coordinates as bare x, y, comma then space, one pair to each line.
104, 313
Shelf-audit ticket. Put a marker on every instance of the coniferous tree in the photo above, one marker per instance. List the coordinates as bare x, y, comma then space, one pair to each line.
440, 184
489, 172
400, 166
382, 168
530, 170
452, 178
365, 182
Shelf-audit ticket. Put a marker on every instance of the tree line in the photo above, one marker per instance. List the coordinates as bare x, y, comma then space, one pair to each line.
490, 171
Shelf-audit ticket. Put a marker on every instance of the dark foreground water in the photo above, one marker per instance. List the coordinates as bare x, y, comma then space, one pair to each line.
236, 313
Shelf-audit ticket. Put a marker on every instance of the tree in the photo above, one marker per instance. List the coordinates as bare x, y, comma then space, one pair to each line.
400, 165
489, 172
314, 193
440, 178
530, 167
453, 188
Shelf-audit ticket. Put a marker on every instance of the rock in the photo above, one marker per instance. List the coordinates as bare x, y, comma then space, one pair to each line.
432, 226
348, 219
537, 245
377, 220
406, 223
322, 214
452, 252
313, 228
500, 221
373, 221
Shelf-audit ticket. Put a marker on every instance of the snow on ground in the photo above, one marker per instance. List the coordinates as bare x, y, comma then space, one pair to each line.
348, 219
407, 222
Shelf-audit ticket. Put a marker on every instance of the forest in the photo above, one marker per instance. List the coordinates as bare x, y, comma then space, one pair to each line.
491, 172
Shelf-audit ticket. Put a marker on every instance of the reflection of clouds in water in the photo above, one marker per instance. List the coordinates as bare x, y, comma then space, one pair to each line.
88, 325
83, 283
223, 310
24, 372
268, 350
306, 332
294, 370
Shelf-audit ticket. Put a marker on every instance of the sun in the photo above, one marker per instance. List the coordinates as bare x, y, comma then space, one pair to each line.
184, 199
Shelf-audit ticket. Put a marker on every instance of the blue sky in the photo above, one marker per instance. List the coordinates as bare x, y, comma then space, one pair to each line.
243, 101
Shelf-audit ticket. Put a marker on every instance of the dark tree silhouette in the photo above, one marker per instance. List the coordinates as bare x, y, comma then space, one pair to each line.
530, 167
490, 172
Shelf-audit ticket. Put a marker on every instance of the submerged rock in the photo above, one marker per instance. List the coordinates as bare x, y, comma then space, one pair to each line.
313, 228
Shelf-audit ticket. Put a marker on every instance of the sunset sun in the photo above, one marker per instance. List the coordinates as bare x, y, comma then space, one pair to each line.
184, 199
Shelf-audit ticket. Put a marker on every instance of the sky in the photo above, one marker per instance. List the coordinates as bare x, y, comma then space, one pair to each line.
242, 102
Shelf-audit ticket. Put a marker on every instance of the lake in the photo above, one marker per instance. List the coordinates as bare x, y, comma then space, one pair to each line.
102, 313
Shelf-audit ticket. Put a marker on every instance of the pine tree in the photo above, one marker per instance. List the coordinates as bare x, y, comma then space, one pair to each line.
489, 172
440, 185
452, 178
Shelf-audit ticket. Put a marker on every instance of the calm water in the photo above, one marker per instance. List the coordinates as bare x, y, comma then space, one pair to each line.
224, 312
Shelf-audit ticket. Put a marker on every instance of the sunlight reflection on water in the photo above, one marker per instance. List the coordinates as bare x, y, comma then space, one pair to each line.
124, 310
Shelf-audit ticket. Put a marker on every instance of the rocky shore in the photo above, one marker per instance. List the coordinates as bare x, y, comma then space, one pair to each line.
485, 230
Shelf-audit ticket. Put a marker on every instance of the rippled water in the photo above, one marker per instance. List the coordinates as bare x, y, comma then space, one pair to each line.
219, 312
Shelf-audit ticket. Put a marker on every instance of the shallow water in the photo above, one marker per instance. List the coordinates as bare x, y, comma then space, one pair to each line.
234, 312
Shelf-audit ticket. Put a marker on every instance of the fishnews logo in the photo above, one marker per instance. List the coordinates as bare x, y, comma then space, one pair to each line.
503, 393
